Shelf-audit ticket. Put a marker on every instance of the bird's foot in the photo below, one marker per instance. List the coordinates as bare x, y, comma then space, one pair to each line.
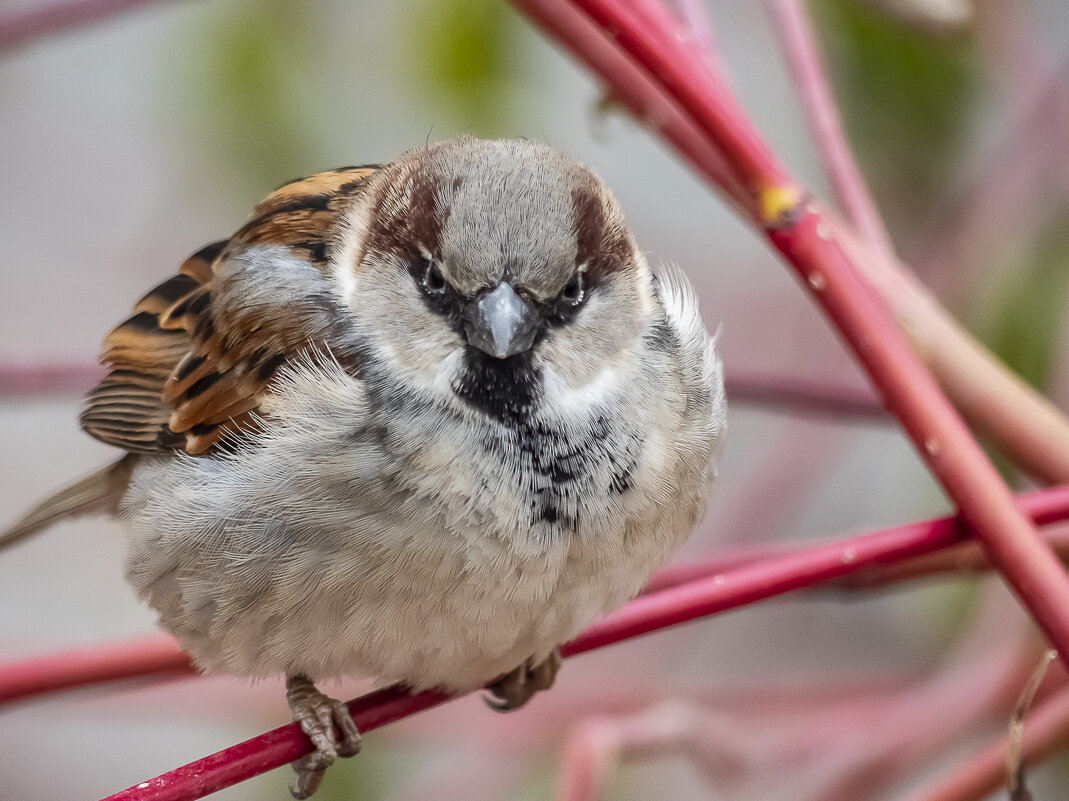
515, 689
318, 715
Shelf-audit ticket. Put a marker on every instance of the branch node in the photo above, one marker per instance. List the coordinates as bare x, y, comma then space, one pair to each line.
781, 206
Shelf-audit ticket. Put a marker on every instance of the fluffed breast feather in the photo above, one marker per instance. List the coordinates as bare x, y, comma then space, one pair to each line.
681, 306
185, 369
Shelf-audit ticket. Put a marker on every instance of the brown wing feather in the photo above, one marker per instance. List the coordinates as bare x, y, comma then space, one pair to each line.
175, 383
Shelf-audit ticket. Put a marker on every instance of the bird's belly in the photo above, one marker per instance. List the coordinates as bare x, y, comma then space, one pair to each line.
458, 622
399, 595
445, 619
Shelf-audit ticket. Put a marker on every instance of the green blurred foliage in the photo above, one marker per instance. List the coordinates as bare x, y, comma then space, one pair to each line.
463, 58
255, 78
906, 96
371, 774
1021, 311
248, 78
1027, 309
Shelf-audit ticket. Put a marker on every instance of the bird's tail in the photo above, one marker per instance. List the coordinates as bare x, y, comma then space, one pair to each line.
97, 492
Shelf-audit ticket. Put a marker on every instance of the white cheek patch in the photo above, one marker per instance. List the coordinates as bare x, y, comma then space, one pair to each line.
430, 370
413, 342
354, 231
644, 279
345, 281
570, 401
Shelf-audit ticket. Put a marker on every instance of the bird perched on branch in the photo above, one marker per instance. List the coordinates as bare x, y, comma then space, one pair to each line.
421, 421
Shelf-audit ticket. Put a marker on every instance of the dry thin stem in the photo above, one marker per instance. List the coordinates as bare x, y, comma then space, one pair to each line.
795, 29
1046, 731
20, 28
642, 47
799, 231
1014, 753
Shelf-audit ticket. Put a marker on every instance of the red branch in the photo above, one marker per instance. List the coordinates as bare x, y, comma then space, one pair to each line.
157, 654
29, 380
272, 750
648, 34
800, 233
21, 28
694, 20
796, 395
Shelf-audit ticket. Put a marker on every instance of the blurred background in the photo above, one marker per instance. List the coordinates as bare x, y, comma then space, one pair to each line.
126, 145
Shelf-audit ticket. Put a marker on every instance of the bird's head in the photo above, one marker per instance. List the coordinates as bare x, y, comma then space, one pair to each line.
487, 268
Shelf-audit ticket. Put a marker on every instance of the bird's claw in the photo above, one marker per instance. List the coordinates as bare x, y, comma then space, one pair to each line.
515, 689
318, 715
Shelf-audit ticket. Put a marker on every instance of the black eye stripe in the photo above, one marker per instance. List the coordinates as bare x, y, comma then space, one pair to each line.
443, 299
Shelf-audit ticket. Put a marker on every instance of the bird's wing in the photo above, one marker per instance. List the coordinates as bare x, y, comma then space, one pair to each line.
183, 371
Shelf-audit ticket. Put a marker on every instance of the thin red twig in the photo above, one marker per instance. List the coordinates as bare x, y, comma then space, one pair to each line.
963, 559
795, 395
748, 583
800, 233
795, 29
29, 380
772, 200
157, 654
271, 750
20, 28
1028, 564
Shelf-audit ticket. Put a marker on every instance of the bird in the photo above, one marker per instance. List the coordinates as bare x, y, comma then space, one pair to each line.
420, 421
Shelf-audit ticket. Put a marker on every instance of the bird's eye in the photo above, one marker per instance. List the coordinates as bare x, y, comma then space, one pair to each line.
574, 291
433, 280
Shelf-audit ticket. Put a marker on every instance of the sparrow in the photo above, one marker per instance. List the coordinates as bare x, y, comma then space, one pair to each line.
420, 421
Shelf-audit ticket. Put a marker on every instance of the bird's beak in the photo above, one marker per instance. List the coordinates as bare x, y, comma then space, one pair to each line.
501, 323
